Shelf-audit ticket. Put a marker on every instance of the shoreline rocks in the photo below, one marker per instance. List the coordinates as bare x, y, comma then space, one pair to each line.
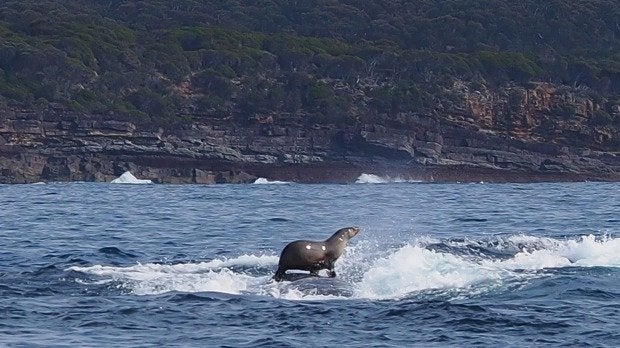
35, 147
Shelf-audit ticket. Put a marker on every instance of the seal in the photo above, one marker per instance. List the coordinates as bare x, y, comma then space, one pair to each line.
314, 256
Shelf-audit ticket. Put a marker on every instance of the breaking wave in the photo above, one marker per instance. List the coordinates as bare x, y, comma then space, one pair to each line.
376, 179
453, 268
128, 178
263, 181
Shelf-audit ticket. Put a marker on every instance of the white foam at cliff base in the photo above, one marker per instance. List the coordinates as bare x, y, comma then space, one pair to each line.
128, 178
375, 179
264, 181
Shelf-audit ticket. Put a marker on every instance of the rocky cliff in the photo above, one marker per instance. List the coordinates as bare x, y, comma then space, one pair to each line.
506, 134
311, 91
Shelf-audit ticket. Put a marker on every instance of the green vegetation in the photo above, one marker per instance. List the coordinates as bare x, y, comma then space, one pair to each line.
171, 61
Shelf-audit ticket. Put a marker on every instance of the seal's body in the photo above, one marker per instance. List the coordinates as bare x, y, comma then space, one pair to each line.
314, 256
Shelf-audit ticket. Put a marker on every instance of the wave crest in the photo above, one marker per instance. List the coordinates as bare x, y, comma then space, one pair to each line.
264, 181
459, 267
376, 179
128, 178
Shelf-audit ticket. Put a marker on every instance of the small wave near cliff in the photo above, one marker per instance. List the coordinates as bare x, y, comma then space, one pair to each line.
265, 181
376, 179
128, 178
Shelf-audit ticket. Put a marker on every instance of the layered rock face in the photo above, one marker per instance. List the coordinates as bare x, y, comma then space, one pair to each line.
504, 135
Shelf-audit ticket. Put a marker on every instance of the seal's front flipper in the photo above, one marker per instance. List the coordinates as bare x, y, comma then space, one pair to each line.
280, 273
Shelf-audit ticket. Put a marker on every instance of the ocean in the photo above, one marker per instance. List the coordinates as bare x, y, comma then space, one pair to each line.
153, 265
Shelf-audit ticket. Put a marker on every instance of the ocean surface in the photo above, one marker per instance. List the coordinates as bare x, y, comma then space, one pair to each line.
111, 265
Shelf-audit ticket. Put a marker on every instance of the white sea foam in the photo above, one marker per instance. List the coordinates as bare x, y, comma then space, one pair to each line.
128, 178
369, 272
264, 181
376, 179
414, 268
585, 251
215, 275
244, 261
293, 294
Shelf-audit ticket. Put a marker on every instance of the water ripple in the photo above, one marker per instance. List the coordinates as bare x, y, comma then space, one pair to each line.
435, 265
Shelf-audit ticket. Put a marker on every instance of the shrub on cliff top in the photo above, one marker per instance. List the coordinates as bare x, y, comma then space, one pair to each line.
138, 58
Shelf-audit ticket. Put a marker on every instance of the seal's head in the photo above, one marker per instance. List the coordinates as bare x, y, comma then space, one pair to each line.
344, 234
350, 232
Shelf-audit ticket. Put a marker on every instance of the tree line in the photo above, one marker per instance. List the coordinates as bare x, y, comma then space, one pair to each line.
320, 60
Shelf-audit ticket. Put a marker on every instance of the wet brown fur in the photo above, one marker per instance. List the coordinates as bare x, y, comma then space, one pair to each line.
297, 256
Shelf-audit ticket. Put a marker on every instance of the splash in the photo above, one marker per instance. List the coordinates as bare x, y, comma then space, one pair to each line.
414, 268
367, 271
128, 178
584, 251
375, 179
217, 275
263, 181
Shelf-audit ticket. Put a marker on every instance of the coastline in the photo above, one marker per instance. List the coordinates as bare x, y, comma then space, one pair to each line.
61, 147
186, 172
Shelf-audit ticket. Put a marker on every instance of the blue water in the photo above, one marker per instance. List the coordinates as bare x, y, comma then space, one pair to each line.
94, 264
